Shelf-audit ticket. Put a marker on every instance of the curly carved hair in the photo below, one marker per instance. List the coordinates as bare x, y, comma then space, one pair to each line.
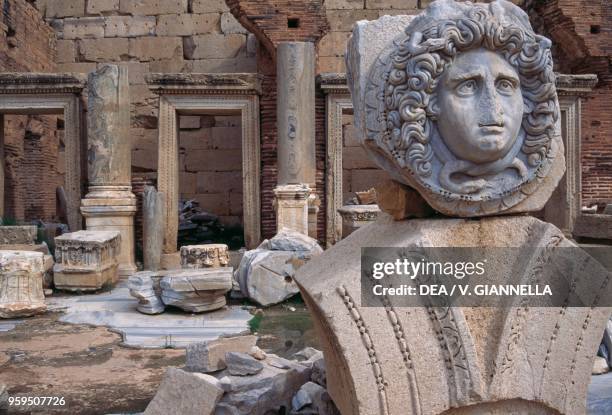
419, 61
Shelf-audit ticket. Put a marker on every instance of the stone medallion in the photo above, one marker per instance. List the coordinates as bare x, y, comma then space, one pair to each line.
460, 103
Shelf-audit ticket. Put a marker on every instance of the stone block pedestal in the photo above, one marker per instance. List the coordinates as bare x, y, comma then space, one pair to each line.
197, 290
86, 260
114, 214
292, 207
21, 284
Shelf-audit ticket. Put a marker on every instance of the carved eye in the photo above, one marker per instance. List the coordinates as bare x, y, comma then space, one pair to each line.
467, 87
504, 85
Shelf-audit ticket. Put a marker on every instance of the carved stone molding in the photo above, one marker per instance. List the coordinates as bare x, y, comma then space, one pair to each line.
337, 101
200, 93
205, 83
33, 93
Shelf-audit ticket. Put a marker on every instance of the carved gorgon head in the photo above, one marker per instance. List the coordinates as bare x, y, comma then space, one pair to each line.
467, 108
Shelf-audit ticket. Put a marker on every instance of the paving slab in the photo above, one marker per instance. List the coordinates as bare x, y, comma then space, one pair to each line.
116, 309
599, 398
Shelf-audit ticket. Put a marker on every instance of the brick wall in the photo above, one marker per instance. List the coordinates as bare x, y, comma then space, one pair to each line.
33, 144
581, 32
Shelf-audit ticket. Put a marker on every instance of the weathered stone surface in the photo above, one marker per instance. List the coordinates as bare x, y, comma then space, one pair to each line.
196, 290
145, 287
25, 234
312, 399
215, 46
156, 48
265, 274
101, 6
485, 155
607, 340
21, 284
242, 364
210, 356
494, 357
186, 24
600, 366
229, 24
129, 26
185, 393
83, 28
357, 216
263, 393
401, 201
86, 260
152, 228
594, 226
288, 240
295, 110
257, 353
153, 7
204, 256
291, 204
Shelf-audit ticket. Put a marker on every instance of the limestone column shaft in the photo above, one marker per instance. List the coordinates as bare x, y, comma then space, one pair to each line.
110, 203
295, 111
2, 167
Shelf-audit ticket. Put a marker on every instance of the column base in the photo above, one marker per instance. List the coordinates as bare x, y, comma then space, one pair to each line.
291, 205
117, 214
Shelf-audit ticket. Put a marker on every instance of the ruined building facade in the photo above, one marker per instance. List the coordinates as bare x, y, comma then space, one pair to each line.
242, 36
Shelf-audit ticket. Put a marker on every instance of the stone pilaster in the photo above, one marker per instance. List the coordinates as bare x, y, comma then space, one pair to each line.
291, 203
110, 203
296, 133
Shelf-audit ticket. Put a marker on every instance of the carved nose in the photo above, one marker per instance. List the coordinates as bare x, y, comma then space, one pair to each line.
490, 109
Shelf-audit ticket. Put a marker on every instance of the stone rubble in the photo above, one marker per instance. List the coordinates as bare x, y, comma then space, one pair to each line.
185, 393
265, 274
248, 386
242, 364
209, 356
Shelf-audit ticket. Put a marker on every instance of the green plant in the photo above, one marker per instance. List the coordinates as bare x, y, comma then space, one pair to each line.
6, 221
255, 322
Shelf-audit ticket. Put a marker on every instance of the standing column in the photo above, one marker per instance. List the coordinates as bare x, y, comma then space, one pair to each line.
2, 173
110, 203
295, 111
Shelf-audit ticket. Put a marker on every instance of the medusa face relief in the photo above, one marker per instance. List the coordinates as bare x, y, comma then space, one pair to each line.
480, 106
462, 107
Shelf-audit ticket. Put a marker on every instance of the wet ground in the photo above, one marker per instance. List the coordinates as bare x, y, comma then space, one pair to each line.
95, 374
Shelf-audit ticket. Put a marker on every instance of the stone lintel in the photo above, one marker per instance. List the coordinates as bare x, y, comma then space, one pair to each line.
333, 83
41, 83
205, 83
576, 85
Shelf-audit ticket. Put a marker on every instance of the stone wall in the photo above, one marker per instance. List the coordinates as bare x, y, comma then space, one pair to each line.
359, 172
211, 164
33, 144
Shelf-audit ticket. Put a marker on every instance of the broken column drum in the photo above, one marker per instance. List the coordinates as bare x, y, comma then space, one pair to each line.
110, 203
296, 133
459, 103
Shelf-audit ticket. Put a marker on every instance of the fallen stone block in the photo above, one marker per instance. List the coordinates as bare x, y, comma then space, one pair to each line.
145, 286
196, 290
204, 256
600, 366
86, 260
312, 399
210, 356
185, 393
242, 364
266, 392
21, 284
